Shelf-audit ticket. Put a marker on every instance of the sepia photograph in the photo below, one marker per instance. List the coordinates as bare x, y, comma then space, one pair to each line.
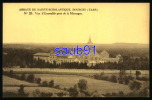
75, 50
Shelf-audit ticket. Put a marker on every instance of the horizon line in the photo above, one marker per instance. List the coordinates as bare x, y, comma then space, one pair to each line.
69, 43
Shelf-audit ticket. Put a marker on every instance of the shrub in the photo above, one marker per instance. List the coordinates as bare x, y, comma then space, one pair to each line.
11, 72
21, 91
143, 78
144, 92
120, 81
65, 89
38, 81
51, 83
45, 84
60, 94
107, 94
114, 94
121, 93
10, 94
113, 78
46, 94
30, 78
135, 85
82, 84
126, 80
73, 92
137, 73
23, 76
130, 77
36, 93
57, 86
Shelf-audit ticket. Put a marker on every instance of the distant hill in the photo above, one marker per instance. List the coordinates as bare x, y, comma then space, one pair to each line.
40, 45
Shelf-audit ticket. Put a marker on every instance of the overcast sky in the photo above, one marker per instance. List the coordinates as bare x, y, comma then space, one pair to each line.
112, 23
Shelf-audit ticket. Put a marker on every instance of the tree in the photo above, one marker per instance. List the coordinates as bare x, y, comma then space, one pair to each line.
30, 78
51, 83
73, 92
113, 79
39, 80
21, 91
144, 92
45, 83
137, 74
135, 85
82, 84
23, 76
11, 72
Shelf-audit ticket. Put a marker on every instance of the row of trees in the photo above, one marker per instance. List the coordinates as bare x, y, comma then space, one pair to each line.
125, 65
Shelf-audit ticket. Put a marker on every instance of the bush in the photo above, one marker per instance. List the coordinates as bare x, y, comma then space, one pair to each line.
113, 94
38, 81
144, 92
113, 78
73, 92
130, 77
11, 72
36, 93
82, 84
135, 85
45, 84
30, 78
57, 86
107, 94
46, 94
143, 78
104, 78
23, 76
126, 80
51, 83
120, 81
21, 91
60, 94
137, 73
121, 93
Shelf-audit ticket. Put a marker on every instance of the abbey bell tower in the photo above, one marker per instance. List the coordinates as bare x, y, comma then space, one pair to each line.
90, 42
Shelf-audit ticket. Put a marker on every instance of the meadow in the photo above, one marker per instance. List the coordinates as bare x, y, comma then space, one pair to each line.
69, 71
12, 85
67, 78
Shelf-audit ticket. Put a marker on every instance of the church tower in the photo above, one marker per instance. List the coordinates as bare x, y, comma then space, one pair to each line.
90, 42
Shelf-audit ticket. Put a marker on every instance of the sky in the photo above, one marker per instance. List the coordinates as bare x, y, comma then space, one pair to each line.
112, 23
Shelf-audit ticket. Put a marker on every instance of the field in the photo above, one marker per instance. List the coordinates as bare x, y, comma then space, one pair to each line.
7, 81
68, 71
68, 81
66, 78
12, 85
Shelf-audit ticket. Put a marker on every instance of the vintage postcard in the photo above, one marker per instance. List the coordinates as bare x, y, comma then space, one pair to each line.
76, 50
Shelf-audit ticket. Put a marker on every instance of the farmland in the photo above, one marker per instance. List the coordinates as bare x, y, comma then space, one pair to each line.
68, 71
68, 81
12, 85
66, 78
7, 81
65, 81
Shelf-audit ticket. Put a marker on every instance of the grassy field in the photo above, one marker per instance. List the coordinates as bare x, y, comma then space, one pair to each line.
68, 71
31, 89
12, 85
68, 81
66, 78
7, 81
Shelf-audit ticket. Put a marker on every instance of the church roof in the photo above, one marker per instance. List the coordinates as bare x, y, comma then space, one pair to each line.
90, 42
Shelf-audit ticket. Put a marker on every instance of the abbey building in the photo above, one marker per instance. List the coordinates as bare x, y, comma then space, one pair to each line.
90, 59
